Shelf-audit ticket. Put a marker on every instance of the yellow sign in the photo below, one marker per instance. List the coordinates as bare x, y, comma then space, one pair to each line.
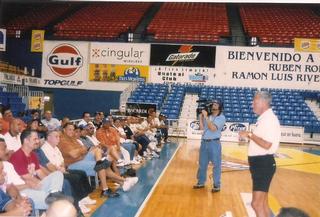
111, 72
36, 102
37, 40
307, 45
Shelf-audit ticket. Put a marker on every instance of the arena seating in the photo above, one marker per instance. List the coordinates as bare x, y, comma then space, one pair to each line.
149, 93
101, 21
36, 18
288, 105
237, 102
174, 101
194, 22
278, 24
13, 100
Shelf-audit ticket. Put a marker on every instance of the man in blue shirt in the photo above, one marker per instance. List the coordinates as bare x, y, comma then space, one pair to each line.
210, 149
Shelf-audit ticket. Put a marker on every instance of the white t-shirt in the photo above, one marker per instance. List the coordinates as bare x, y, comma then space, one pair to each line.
267, 128
52, 124
13, 143
94, 140
53, 154
12, 176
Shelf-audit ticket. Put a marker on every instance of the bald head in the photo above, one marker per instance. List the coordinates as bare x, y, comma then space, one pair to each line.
61, 208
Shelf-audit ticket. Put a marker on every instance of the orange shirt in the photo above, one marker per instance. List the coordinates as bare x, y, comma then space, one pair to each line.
67, 145
5, 126
108, 137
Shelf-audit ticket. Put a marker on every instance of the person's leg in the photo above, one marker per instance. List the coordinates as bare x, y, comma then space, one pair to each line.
203, 163
38, 197
130, 147
216, 159
258, 203
87, 164
83, 180
52, 182
266, 206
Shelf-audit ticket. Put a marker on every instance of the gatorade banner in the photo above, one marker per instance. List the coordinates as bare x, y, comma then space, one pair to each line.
183, 55
3, 38
306, 45
37, 39
111, 72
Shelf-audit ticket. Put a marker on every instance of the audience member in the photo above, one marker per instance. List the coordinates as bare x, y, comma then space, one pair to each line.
60, 208
50, 122
7, 117
85, 119
12, 137
38, 185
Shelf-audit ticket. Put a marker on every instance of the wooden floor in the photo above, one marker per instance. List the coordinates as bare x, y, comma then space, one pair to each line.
296, 183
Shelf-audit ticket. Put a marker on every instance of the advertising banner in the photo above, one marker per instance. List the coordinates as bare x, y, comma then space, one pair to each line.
120, 53
140, 108
267, 67
292, 134
3, 39
183, 55
230, 132
306, 45
64, 64
111, 72
37, 39
174, 74
9, 78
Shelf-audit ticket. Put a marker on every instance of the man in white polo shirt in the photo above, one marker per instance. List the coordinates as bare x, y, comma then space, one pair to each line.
264, 142
12, 137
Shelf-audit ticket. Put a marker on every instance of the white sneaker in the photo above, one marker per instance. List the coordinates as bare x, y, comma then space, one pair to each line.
84, 209
87, 201
120, 163
126, 185
135, 162
155, 155
133, 180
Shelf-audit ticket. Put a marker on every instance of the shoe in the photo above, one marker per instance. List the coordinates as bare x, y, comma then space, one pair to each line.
87, 201
84, 209
109, 193
58, 195
133, 180
198, 186
155, 155
215, 189
135, 162
129, 183
120, 163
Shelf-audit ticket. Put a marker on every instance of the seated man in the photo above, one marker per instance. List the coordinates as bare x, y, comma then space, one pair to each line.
80, 186
37, 185
11, 202
12, 137
78, 157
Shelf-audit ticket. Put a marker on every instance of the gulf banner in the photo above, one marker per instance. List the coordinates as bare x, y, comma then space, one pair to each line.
306, 45
112, 72
64, 64
3, 39
119, 53
37, 39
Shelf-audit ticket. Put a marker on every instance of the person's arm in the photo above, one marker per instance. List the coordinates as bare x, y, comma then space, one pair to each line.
31, 181
258, 140
13, 192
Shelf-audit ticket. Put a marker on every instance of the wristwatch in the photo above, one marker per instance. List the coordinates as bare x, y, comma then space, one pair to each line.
249, 135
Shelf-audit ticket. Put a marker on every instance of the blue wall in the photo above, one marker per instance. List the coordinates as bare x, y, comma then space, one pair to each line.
73, 103
18, 53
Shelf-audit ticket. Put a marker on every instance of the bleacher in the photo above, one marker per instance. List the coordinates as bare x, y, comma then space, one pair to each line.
149, 93
198, 22
101, 21
36, 18
279, 25
13, 100
288, 105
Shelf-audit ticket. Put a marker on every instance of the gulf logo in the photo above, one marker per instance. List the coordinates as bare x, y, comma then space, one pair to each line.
65, 60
